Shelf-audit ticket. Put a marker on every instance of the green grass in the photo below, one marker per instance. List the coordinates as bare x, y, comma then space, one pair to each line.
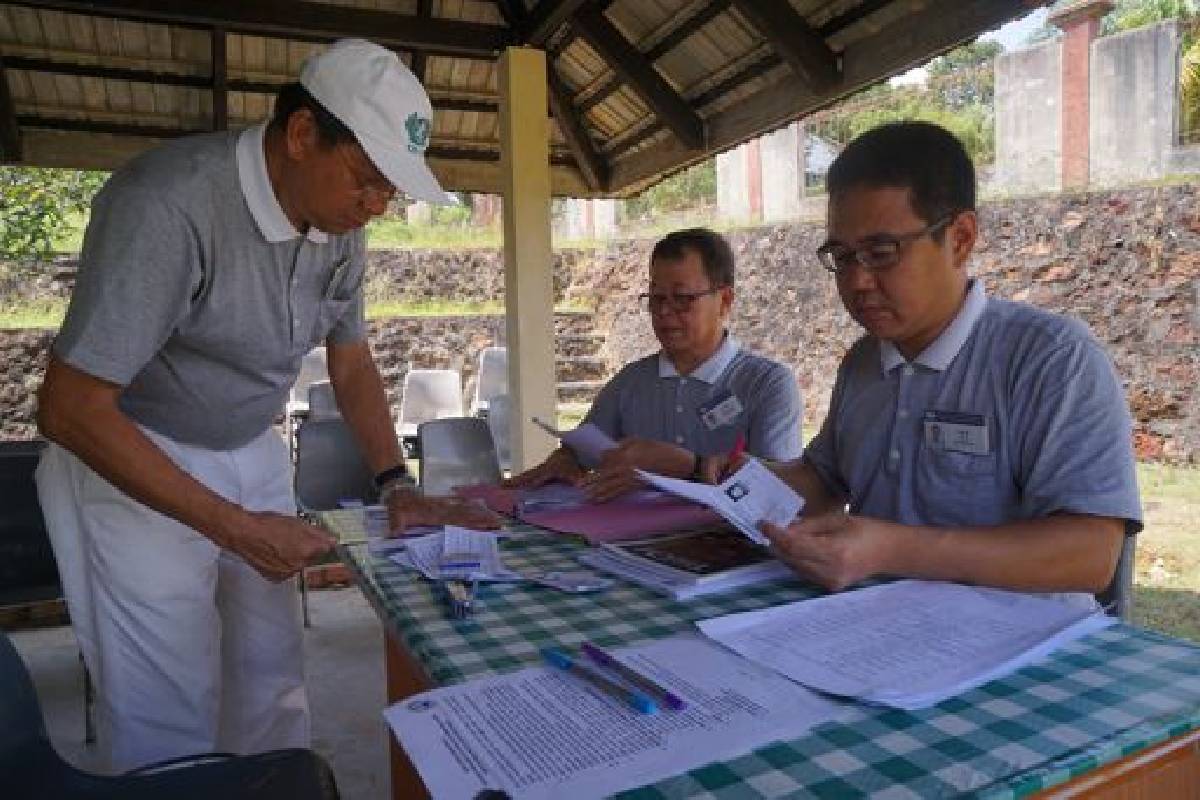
385, 233
47, 314
1167, 577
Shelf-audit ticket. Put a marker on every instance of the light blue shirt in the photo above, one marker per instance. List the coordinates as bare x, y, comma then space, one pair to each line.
1058, 430
649, 399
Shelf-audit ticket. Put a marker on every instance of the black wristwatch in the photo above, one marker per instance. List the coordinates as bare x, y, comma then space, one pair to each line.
398, 472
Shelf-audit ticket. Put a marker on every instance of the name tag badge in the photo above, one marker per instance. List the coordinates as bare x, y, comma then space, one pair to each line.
720, 411
953, 430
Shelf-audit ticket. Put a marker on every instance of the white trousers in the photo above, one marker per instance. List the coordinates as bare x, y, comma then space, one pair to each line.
190, 649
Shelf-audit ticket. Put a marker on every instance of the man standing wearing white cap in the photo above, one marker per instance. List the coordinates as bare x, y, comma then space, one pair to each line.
211, 265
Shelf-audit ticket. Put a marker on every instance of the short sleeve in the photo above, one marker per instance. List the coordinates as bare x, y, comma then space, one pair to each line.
821, 453
1074, 451
605, 412
351, 325
139, 268
774, 431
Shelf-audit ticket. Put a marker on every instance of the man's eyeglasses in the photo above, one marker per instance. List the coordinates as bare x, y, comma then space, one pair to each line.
370, 188
875, 253
679, 302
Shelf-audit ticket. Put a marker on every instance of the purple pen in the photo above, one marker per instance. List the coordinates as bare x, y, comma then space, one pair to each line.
669, 698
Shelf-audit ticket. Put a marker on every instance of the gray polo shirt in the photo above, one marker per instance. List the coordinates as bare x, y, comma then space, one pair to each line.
744, 393
1013, 413
197, 295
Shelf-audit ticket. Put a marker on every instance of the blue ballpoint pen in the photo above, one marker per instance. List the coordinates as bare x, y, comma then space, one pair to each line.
669, 698
639, 701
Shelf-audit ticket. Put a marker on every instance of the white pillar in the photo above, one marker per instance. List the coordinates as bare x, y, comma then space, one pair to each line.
528, 266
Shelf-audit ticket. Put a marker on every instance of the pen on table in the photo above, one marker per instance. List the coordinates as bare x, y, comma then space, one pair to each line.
547, 427
639, 701
669, 698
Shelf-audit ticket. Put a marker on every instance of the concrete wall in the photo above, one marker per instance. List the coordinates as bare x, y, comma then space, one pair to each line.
733, 184
1134, 97
782, 154
1028, 119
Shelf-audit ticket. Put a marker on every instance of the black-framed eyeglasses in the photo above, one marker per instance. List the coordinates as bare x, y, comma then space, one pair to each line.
874, 253
679, 302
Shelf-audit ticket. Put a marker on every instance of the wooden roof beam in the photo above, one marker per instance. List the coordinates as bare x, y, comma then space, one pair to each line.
548, 17
794, 40
570, 121
631, 65
420, 60
10, 130
220, 81
300, 19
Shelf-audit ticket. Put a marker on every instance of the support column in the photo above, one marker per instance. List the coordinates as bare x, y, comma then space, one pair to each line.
528, 262
1080, 24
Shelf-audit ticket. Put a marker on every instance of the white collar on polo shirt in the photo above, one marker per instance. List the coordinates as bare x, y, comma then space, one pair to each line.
938, 355
260, 197
711, 369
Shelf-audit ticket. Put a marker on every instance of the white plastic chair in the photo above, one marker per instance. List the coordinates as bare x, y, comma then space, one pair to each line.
429, 394
456, 452
322, 402
492, 379
499, 414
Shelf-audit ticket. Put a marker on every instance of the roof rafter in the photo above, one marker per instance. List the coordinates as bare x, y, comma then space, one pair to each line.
220, 81
419, 58
571, 123
630, 64
10, 129
548, 17
794, 40
300, 18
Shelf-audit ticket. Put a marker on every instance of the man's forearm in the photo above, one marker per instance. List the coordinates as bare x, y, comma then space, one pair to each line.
102, 437
1069, 552
363, 404
805, 481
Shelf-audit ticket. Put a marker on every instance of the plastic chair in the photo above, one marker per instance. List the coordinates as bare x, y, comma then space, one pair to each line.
429, 394
28, 570
329, 468
492, 379
499, 414
456, 452
33, 768
322, 402
313, 368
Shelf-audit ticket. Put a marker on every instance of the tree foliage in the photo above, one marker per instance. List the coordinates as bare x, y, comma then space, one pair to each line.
37, 205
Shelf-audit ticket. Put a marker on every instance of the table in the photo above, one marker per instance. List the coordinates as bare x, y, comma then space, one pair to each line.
1117, 713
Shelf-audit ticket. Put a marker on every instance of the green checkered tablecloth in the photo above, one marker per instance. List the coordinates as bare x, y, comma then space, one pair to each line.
1090, 703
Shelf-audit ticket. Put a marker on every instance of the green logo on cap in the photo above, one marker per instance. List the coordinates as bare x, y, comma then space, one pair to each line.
418, 132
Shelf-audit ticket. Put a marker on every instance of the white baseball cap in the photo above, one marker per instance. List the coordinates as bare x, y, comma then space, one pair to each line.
370, 90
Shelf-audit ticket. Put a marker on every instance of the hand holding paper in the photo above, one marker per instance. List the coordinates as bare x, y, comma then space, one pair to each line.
750, 496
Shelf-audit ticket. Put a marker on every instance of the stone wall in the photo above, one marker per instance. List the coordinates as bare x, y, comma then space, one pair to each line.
1126, 262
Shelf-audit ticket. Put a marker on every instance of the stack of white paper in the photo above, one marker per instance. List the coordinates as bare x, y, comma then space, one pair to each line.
908, 644
378, 528
749, 496
544, 733
457, 554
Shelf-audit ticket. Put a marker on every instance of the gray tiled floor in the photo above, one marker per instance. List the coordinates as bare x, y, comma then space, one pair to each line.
344, 652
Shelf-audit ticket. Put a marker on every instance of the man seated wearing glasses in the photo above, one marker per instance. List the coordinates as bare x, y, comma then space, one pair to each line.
699, 395
211, 265
974, 439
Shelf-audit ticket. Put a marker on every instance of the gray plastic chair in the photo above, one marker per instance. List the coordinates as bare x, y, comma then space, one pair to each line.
492, 380
498, 417
456, 452
322, 402
313, 368
1117, 599
329, 468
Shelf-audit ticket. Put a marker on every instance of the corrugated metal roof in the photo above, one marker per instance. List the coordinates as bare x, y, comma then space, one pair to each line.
654, 85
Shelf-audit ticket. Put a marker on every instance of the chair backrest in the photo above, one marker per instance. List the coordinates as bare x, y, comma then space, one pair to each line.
322, 403
329, 466
1117, 599
28, 571
499, 414
456, 452
430, 394
21, 722
313, 367
493, 377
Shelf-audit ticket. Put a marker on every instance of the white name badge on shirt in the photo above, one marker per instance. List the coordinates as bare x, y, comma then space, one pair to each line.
721, 411
958, 431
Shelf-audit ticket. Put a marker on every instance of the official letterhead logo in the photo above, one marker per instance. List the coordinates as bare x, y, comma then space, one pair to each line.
418, 132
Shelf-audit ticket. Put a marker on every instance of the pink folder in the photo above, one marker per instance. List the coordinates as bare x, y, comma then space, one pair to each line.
561, 508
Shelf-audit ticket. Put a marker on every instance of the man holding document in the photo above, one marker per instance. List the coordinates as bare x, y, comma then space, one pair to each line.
974, 439
699, 395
